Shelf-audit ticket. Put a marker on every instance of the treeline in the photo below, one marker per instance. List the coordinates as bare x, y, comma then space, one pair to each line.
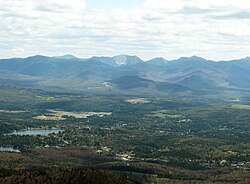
59, 176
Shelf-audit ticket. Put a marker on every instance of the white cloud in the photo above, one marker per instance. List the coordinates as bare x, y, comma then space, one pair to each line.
169, 5
215, 29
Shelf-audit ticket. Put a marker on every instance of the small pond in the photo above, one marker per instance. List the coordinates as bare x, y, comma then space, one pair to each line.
37, 132
9, 149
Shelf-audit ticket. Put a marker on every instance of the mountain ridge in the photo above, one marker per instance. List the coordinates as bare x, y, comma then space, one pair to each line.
68, 71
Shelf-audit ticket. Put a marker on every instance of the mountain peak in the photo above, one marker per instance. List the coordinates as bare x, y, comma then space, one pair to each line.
122, 60
157, 60
124, 55
37, 57
196, 57
192, 58
119, 60
66, 56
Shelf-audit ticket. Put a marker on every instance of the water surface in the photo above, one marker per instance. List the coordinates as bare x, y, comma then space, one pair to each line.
37, 132
9, 149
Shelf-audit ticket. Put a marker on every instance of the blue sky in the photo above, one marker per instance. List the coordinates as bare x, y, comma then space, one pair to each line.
109, 4
214, 29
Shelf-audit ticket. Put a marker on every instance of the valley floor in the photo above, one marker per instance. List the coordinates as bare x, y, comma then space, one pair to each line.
128, 139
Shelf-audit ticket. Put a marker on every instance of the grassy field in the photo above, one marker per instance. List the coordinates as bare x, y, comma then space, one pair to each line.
137, 100
240, 106
59, 115
165, 114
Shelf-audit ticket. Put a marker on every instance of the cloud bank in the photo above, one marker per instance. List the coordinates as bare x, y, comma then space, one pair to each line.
215, 29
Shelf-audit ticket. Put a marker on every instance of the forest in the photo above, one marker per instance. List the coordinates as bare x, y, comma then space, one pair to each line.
45, 136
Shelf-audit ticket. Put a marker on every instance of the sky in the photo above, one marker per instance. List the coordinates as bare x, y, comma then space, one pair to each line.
214, 29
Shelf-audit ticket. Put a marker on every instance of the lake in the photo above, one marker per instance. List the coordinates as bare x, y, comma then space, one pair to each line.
37, 132
9, 149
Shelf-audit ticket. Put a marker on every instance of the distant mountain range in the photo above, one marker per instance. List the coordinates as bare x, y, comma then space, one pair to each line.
126, 74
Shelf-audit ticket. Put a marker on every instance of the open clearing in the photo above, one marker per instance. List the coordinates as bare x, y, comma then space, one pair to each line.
240, 106
50, 118
14, 112
57, 115
138, 100
164, 114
